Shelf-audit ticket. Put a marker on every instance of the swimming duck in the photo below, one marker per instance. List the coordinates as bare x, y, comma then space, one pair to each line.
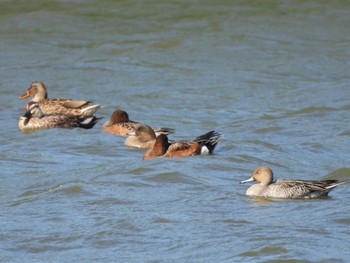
35, 119
204, 144
61, 106
287, 188
144, 136
120, 124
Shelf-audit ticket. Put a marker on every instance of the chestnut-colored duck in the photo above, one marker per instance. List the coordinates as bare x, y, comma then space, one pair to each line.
201, 145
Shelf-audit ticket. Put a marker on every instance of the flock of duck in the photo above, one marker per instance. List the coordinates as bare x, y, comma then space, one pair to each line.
44, 113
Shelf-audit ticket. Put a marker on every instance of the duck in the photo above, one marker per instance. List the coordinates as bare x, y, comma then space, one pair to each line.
142, 137
69, 107
287, 189
119, 124
201, 145
35, 119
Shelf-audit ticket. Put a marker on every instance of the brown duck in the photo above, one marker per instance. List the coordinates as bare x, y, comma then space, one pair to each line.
35, 119
61, 106
144, 136
120, 124
201, 145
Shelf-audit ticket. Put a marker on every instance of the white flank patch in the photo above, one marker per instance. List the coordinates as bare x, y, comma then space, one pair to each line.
204, 150
87, 121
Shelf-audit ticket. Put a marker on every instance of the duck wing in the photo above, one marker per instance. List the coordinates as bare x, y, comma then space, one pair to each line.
305, 189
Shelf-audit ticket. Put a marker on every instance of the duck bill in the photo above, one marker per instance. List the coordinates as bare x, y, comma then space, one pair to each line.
251, 179
26, 95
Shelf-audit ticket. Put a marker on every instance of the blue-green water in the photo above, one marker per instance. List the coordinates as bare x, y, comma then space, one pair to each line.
272, 76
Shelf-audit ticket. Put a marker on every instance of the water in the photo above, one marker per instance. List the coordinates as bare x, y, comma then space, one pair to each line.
272, 76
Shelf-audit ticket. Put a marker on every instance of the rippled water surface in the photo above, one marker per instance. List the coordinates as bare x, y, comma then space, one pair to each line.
272, 76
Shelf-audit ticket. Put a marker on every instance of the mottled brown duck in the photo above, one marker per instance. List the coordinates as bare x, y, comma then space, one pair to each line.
35, 119
61, 106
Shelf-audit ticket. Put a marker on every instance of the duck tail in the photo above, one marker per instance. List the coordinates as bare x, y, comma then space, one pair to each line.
88, 122
209, 140
211, 144
334, 183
